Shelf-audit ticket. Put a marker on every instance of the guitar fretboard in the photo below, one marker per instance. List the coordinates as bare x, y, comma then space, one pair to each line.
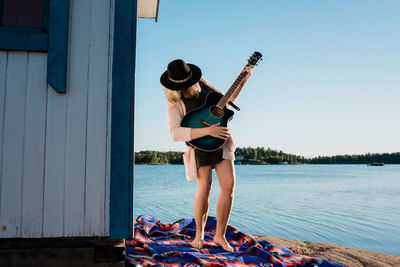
224, 100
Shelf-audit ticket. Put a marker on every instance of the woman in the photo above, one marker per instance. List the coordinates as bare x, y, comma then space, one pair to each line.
185, 90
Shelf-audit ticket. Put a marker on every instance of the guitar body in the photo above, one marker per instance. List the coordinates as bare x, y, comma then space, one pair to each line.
200, 117
214, 111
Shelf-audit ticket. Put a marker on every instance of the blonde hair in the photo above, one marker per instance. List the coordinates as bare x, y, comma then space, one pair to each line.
173, 96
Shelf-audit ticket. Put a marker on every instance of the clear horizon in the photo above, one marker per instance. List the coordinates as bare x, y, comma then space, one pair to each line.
307, 157
329, 83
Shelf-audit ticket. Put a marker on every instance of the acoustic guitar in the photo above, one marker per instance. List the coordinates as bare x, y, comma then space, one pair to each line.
214, 111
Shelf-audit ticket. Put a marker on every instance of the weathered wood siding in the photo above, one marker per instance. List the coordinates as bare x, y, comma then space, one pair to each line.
54, 160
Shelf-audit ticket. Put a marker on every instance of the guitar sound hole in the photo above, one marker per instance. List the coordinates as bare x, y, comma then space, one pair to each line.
217, 112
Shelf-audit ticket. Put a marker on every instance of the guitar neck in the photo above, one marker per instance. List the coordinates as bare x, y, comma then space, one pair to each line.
224, 100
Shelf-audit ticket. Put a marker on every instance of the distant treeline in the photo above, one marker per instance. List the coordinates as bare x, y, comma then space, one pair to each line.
157, 157
387, 158
261, 155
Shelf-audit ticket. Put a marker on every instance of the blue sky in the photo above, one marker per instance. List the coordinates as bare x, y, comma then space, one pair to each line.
329, 82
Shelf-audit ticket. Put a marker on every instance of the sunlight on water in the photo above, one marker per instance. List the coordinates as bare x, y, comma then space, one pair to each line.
349, 205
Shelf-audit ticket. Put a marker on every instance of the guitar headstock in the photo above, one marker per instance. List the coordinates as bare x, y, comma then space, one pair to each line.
255, 58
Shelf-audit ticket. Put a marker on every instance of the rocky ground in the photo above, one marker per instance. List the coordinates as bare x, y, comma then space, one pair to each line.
352, 257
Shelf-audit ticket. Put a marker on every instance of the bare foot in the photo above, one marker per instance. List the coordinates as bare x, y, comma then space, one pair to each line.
223, 243
197, 243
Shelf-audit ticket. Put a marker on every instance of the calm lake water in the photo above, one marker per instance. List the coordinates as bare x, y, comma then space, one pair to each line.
349, 205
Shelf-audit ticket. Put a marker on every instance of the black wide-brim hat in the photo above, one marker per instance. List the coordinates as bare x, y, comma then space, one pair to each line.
180, 75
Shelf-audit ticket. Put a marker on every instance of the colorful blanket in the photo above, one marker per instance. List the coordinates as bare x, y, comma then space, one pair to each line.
168, 244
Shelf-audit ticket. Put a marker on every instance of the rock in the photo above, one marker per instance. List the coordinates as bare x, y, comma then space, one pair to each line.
351, 257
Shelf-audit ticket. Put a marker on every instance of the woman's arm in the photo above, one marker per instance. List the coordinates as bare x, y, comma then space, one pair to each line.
214, 130
179, 133
248, 69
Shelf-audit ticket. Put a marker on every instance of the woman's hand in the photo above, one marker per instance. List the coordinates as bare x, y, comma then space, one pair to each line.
219, 131
249, 69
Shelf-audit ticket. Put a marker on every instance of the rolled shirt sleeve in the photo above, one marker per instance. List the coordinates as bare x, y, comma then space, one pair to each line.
178, 133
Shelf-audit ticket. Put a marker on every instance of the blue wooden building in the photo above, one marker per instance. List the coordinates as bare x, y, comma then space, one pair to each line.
67, 78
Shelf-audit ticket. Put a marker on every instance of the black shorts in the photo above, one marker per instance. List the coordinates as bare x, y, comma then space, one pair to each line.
208, 158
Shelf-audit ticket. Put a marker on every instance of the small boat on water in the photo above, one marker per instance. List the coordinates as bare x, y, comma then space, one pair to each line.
377, 164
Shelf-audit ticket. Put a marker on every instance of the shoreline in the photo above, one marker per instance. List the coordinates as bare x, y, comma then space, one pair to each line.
347, 256
276, 164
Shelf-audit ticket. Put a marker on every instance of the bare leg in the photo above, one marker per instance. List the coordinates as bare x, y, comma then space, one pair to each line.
201, 204
226, 178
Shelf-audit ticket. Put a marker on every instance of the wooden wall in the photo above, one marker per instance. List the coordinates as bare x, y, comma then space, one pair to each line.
54, 160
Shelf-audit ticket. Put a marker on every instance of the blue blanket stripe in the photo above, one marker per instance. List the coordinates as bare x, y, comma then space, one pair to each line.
168, 244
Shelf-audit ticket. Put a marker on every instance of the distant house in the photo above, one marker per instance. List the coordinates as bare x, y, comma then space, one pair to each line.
67, 77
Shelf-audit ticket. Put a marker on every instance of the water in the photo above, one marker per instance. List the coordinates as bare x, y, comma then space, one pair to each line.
349, 205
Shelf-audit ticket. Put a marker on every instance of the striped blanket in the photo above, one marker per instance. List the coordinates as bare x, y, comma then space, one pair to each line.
168, 244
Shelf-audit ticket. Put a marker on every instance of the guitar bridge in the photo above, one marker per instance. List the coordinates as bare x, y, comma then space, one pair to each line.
204, 123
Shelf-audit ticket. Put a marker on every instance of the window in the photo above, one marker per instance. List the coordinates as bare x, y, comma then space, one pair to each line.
22, 13
23, 25
38, 25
